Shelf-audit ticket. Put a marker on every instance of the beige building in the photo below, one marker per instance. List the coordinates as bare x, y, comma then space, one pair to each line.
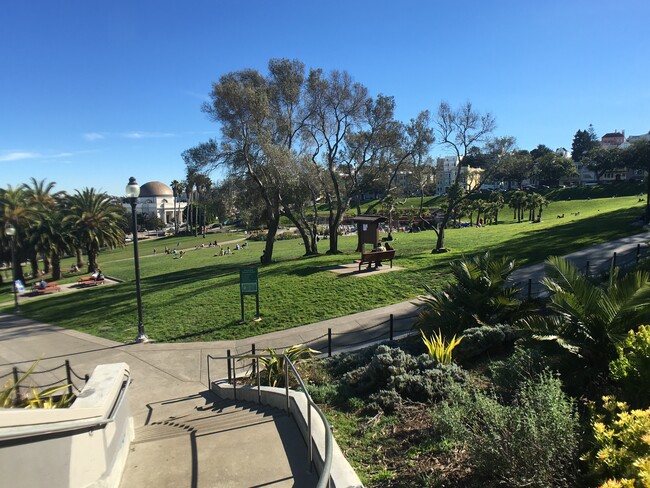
157, 199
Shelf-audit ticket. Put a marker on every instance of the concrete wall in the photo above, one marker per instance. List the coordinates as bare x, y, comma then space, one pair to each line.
342, 475
85, 445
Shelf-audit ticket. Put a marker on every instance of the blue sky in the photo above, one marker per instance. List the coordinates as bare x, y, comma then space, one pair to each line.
94, 92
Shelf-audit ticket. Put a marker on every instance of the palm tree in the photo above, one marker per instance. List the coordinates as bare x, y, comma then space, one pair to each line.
517, 200
96, 222
588, 320
479, 295
43, 202
496, 198
17, 211
177, 188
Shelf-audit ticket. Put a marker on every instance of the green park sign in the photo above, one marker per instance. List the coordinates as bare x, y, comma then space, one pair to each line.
248, 285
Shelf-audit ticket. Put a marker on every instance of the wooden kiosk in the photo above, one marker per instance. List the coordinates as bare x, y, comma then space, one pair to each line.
368, 233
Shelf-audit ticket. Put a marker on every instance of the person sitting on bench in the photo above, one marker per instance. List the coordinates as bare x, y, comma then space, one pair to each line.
377, 248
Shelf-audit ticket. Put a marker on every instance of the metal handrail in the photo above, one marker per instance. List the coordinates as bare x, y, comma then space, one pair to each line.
324, 478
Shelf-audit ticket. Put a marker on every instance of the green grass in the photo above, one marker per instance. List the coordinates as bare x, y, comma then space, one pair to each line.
197, 298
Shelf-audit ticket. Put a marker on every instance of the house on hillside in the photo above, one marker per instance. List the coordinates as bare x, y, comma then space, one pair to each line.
446, 168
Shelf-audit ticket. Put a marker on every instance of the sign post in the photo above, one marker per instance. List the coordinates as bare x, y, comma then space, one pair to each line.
248, 285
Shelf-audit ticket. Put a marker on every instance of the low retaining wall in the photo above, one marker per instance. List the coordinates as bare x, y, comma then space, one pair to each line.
85, 445
341, 474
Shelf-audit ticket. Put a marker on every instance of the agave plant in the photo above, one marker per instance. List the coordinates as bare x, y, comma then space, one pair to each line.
275, 363
479, 295
590, 321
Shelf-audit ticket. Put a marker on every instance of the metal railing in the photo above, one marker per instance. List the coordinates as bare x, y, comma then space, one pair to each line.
335, 342
603, 269
68, 381
324, 478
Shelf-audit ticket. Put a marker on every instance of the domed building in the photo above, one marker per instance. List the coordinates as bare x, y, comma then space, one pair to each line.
157, 199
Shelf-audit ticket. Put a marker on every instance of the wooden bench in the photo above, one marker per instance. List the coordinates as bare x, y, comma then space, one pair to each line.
377, 257
92, 282
51, 287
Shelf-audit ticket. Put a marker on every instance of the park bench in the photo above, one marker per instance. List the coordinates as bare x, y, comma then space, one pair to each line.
51, 287
92, 282
377, 257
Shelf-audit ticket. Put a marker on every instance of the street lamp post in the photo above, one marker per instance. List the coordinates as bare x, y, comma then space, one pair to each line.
10, 230
132, 192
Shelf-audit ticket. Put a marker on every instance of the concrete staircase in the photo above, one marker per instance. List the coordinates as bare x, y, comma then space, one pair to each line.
205, 441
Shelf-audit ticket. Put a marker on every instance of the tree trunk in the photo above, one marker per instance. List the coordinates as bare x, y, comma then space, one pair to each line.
33, 261
92, 260
80, 258
274, 223
46, 264
56, 266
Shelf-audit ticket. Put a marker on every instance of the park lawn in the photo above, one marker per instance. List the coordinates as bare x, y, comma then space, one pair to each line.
197, 298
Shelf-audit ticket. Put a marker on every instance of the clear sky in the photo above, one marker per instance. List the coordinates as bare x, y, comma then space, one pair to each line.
92, 92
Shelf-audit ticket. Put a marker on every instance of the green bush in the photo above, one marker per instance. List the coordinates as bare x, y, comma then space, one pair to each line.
531, 442
622, 446
392, 372
522, 365
632, 368
486, 339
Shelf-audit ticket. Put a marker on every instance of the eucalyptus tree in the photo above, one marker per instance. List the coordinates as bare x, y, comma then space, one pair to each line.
637, 156
96, 221
459, 130
337, 105
261, 119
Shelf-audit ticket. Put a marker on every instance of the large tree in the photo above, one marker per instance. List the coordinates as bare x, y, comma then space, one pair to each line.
583, 142
96, 221
261, 120
337, 105
459, 130
637, 156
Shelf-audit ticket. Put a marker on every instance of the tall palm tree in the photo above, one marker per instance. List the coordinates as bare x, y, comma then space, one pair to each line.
17, 211
43, 200
588, 320
177, 189
96, 221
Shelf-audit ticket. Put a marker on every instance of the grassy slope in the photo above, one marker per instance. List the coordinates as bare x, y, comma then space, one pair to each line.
197, 297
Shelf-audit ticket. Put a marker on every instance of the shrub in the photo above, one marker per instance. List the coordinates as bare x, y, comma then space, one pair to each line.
632, 368
420, 378
485, 339
274, 365
622, 452
439, 348
522, 365
532, 442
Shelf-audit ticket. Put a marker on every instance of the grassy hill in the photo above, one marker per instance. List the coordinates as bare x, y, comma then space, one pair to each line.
197, 298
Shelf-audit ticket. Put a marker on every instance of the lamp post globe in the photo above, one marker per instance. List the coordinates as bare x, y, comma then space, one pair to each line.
132, 192
10, 230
